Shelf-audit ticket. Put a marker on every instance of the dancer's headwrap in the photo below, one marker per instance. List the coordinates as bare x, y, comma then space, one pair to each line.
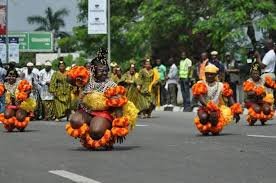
256, 67
210, 68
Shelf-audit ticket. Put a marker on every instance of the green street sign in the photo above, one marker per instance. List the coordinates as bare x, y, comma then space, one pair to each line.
40, 42
34, 41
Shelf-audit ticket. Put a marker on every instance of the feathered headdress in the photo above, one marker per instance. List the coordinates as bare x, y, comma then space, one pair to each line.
100, 58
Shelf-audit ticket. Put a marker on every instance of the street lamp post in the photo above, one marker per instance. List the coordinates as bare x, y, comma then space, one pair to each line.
7, 32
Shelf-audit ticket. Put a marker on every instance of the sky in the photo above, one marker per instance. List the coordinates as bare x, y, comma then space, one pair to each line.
19, 10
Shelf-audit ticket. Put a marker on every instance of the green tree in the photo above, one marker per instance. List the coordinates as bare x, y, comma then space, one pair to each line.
162, 28
52, 21
166, 26
26, 57
67, 44
159, 28
233, 21
69, 61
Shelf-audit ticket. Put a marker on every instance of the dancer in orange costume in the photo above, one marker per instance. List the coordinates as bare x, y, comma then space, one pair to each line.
215, 97
104, 114
19, 105
259, 96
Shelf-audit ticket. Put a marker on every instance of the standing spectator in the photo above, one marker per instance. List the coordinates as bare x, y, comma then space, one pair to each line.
203, 62
184, 73
162, 70
118, 78
172, 83
61, 90
194, 75
269, 60
3, 74
46, 97
232, 73
130, 78
113, 67
39, 65
215, 61
31, 74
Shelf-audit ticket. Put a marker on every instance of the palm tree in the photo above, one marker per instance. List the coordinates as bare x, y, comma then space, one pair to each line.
53, 21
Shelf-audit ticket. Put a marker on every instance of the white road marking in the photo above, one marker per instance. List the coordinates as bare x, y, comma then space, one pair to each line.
262, 136
141, 125
72, 176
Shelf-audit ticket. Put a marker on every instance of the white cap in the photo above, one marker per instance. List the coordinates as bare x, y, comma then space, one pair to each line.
48, 63
214, 53
38, 63
30, 64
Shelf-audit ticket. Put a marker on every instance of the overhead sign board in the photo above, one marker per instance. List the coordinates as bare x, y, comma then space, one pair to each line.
34, 41
97, 17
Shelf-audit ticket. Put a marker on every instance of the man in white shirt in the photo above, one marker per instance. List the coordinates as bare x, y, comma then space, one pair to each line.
31, 74
46, 97
171, 84
269, 60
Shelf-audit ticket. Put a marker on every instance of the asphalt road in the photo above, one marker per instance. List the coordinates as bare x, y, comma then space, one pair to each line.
164, 149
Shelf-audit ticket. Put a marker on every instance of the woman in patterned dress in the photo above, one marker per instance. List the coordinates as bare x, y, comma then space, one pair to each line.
146, 84
61, 89
130, 82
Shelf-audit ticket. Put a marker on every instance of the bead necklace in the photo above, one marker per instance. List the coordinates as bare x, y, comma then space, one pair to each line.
213, 91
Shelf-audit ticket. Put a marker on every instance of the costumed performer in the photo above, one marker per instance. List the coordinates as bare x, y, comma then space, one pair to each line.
259, 96
104, 114
215, 97
19, 105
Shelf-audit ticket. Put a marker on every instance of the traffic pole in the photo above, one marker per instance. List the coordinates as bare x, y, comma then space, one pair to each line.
7, 32
108, 32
